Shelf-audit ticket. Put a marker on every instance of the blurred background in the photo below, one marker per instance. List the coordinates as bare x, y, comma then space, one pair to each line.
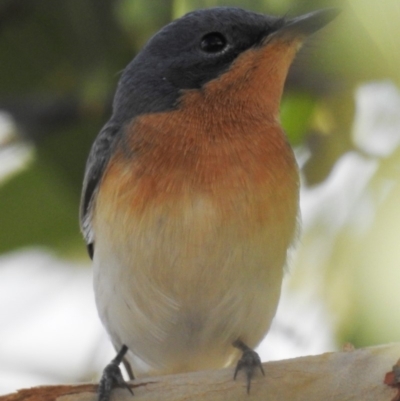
60, 63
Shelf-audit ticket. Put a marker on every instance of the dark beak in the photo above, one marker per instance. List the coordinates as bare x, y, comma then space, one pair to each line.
312, 22
307, 24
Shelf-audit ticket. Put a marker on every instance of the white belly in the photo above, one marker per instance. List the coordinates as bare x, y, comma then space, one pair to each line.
178, 286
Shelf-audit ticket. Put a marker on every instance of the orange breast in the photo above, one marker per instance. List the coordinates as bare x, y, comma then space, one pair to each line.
246, 170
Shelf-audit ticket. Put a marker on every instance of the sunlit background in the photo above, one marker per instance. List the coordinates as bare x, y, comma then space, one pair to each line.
60, 62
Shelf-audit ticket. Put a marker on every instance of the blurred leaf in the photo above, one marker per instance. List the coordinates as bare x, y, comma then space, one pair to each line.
37, 209
142, 19
296, 112
181, 7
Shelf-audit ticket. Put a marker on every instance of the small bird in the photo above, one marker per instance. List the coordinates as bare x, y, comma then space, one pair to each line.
190, 199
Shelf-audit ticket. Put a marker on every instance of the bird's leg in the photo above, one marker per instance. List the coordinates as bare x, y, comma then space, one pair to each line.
249, 362
112, 377
128, 369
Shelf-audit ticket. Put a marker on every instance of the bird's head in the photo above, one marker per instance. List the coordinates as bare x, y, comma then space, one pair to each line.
217, 51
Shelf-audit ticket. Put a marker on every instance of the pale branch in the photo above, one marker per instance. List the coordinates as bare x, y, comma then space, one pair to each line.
340, 376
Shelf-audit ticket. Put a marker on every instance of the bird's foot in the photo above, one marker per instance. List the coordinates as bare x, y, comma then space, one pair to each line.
249, 362
112, 377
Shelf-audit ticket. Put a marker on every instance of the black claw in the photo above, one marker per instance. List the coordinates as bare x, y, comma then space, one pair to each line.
112, 377
249, 362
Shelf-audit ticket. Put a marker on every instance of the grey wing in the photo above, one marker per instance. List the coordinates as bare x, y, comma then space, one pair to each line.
95, 166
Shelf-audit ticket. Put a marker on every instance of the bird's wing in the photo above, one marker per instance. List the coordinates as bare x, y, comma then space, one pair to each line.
99, 156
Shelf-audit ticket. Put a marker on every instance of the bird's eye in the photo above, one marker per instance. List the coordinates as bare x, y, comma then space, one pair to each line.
213, 42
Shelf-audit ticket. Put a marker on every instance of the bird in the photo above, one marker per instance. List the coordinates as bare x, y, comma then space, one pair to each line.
190, 200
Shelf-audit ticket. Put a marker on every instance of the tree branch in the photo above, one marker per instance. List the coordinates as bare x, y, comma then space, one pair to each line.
342, 376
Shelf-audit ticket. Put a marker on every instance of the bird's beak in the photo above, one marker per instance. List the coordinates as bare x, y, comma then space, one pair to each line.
300, 27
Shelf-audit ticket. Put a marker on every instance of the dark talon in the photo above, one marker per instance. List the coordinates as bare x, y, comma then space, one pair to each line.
248, 362
112, 377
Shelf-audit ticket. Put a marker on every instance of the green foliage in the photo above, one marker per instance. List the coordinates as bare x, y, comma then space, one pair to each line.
296, 112
37, 208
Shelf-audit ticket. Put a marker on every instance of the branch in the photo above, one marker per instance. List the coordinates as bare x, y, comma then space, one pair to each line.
342, 376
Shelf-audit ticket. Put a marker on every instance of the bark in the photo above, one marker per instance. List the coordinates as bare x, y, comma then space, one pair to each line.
353, 375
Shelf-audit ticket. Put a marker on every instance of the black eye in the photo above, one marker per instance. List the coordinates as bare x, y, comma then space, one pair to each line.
213, 42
